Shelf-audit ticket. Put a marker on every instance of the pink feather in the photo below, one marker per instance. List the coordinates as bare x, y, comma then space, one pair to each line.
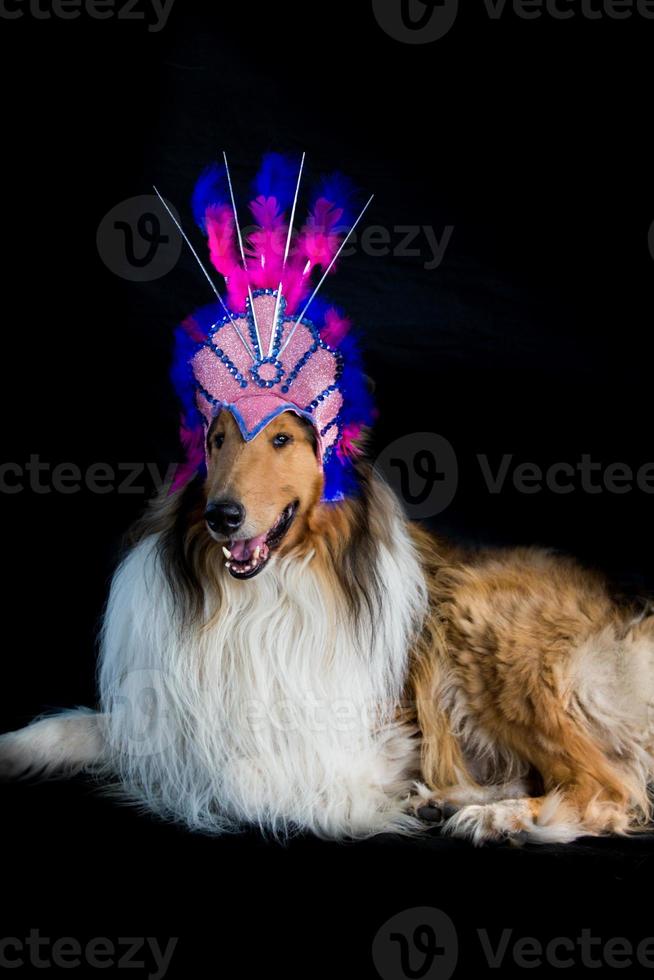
224, 255
320, 238
266, 212
266, 243
192, 440
296, 283
347, 447
191, 327
315, 246
336, 327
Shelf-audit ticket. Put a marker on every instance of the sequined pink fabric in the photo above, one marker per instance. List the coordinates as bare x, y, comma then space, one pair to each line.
238, 374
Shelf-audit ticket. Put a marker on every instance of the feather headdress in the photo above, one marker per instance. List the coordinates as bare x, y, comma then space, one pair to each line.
269, 345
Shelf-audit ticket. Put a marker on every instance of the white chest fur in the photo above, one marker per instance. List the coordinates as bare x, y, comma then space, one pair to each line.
280, 713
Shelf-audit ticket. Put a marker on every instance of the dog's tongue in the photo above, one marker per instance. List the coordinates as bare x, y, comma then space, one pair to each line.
244, 549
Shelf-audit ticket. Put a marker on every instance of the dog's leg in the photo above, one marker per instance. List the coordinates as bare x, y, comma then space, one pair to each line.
437, 806
546, 819
583, 796
558, 817
446, 781
61, 745
585, 792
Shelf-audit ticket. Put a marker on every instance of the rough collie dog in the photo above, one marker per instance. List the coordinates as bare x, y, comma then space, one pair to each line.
344, 672
277, 655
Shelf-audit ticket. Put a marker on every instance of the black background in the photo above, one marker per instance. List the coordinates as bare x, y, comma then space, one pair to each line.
533, 337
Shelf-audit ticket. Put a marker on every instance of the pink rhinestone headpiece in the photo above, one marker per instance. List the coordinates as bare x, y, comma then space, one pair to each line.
300, 374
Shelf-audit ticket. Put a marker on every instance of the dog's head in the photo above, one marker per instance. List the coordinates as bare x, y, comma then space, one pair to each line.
260, 493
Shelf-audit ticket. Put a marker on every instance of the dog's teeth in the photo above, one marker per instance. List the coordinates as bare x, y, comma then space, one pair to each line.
226, 552
228, 564
257, 552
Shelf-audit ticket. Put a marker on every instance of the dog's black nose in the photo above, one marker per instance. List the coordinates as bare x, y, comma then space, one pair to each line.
224, 516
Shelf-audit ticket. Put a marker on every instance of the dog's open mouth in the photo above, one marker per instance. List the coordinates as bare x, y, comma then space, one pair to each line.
246, 557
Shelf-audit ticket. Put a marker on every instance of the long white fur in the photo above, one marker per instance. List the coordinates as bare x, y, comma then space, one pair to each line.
214, 727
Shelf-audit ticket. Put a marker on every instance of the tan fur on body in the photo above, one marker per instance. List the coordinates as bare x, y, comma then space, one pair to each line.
527, 668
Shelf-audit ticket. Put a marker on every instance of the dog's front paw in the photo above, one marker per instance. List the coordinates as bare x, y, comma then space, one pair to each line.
508, 820
428, 806
436, 812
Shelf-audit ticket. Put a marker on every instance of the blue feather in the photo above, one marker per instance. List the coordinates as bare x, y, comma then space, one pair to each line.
341, 477
317, 310
277, 178
340, 480
358, 402
340, 190
210, 189
182, 378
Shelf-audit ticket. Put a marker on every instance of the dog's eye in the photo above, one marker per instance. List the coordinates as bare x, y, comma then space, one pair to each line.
218, 440
280, 440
